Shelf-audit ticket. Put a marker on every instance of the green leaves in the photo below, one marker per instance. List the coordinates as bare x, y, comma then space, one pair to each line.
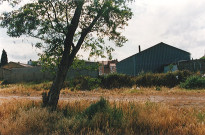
21, 22
50, 21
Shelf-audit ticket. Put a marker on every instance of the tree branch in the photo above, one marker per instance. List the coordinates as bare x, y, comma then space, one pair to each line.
55, 16
86, 31
67, 15
73, 26
50, 19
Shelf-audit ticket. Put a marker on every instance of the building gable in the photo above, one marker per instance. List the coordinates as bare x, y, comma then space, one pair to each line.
152, 59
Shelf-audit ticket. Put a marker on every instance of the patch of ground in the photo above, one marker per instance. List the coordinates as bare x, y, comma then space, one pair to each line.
195, 99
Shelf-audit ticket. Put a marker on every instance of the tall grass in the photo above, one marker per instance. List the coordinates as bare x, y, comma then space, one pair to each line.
102, 117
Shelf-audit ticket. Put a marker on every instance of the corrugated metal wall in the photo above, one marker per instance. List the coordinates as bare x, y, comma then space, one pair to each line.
151, 59
127, 66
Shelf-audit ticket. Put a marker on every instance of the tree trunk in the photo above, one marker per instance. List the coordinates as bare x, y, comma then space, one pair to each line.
51, 100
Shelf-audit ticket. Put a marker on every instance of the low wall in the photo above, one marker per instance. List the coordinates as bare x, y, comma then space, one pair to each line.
35, 74
26, 75
1, 74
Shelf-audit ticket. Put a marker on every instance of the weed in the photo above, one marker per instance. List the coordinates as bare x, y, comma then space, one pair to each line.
158, 88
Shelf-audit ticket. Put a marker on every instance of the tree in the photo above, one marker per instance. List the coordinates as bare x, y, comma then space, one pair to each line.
66, 26
4, 59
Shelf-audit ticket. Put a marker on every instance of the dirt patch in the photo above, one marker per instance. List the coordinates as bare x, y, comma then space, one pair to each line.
196, 100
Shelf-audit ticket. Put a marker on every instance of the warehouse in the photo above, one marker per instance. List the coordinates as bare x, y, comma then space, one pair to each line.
152, 59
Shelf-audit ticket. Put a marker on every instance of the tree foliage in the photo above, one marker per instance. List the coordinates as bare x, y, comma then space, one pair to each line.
63, 27
49, 21
4, 59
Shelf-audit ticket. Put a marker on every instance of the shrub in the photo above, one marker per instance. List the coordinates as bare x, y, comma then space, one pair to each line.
194, 82
170, 79
148, 80
105, 114
116, 81
183, 75
85, 83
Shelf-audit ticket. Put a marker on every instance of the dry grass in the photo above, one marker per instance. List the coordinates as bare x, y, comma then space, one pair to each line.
25, 89
120, 117
32, 89
27, 117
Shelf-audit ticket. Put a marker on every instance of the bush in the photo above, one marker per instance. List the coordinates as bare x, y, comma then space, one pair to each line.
85, 83
148, 80
116, 81
111, 81
170, 79
105, 113
100, 106
194, 82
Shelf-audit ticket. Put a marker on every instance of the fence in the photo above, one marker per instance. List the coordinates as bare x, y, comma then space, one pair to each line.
35, 74
1, 74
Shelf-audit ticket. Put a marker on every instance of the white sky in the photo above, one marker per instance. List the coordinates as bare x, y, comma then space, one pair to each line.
179, 23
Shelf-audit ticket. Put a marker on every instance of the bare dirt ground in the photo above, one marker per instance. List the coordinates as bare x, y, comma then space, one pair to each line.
196, 99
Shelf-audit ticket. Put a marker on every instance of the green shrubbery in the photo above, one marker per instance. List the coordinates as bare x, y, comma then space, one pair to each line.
148, 80
194, 82
107, 81
170, 79
111, 81
102, 108
84, 83
116, 81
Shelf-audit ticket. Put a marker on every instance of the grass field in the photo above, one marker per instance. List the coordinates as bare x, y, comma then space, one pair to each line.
126, 111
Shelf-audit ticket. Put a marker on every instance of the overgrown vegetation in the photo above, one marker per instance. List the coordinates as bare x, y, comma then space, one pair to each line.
102, 117
83, 83
111, 81
194, 82
170, 79
116, 81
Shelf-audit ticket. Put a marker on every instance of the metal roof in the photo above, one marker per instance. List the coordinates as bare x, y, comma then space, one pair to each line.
161, 43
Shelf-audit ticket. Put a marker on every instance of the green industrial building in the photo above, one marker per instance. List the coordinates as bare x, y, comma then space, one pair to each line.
152, 59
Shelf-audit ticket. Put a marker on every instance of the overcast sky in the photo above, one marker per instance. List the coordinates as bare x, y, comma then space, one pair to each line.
179, 23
